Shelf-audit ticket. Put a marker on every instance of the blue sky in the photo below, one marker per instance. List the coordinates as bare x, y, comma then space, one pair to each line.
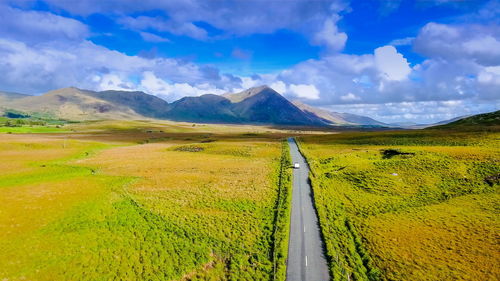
397, 61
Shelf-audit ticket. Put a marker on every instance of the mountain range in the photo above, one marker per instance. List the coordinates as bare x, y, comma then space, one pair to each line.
259, 105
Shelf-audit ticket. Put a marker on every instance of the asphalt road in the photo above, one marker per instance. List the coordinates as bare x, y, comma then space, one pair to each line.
306, 260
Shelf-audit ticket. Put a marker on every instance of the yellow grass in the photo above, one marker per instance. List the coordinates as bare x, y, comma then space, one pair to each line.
426, 215
119, 201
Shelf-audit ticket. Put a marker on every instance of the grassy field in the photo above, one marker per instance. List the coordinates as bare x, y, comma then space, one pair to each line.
150, 200
144, 200
410, 205
13, 122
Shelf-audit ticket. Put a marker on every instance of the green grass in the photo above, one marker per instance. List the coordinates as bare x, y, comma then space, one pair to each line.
33, 129
282, 214
16, 122
110, 208
377, 196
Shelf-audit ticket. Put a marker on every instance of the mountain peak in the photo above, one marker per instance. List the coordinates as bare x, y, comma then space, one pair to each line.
257, 105
238, 97
66, 91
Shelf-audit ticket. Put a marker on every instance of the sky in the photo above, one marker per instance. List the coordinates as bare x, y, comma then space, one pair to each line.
416, 61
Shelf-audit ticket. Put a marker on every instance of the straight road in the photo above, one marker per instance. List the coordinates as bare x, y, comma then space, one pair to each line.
306, 261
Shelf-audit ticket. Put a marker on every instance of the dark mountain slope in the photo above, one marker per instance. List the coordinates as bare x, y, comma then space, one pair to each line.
206, 108
140, 102
268, 107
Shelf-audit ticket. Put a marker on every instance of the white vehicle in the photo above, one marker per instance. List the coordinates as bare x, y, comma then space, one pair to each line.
296, 165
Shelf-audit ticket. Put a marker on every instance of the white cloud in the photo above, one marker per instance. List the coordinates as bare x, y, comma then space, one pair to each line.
330, 36
35, 27
248, 82
490, 74
350, 97
305, 91
480, 43
232, 17
483, 46
236, 17
422, 112
279, 86
86, 65
113, 82
402, 41
460, 67
391, 64
172, 91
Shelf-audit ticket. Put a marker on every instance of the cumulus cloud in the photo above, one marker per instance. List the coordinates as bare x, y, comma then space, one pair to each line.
386, 77
35, 27
421, 112
315, 19
490, 74
173, 91
41, 51
279, 86
344, 79
391, 64
480, 43
86, 65
330, 36
113, 82
305, 91
237, 17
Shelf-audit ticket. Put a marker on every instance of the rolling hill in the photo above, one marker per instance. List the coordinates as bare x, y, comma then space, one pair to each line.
259, 105
8, 96
337, 118
72, 104
476, 121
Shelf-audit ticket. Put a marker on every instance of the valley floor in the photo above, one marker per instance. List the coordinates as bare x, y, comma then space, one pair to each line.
410, 205
134, 203
147, 200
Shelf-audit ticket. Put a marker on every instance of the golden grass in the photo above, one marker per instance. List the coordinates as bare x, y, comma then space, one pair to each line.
455, 240
118, 201
427, 215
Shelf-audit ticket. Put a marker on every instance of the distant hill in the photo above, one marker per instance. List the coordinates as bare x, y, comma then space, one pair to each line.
73, 104
444, 122
139, 102
359, 119
8, 96
413, 125
337, 118
476, 121
259, 105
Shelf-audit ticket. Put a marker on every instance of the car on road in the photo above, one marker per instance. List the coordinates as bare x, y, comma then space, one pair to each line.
296, 165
